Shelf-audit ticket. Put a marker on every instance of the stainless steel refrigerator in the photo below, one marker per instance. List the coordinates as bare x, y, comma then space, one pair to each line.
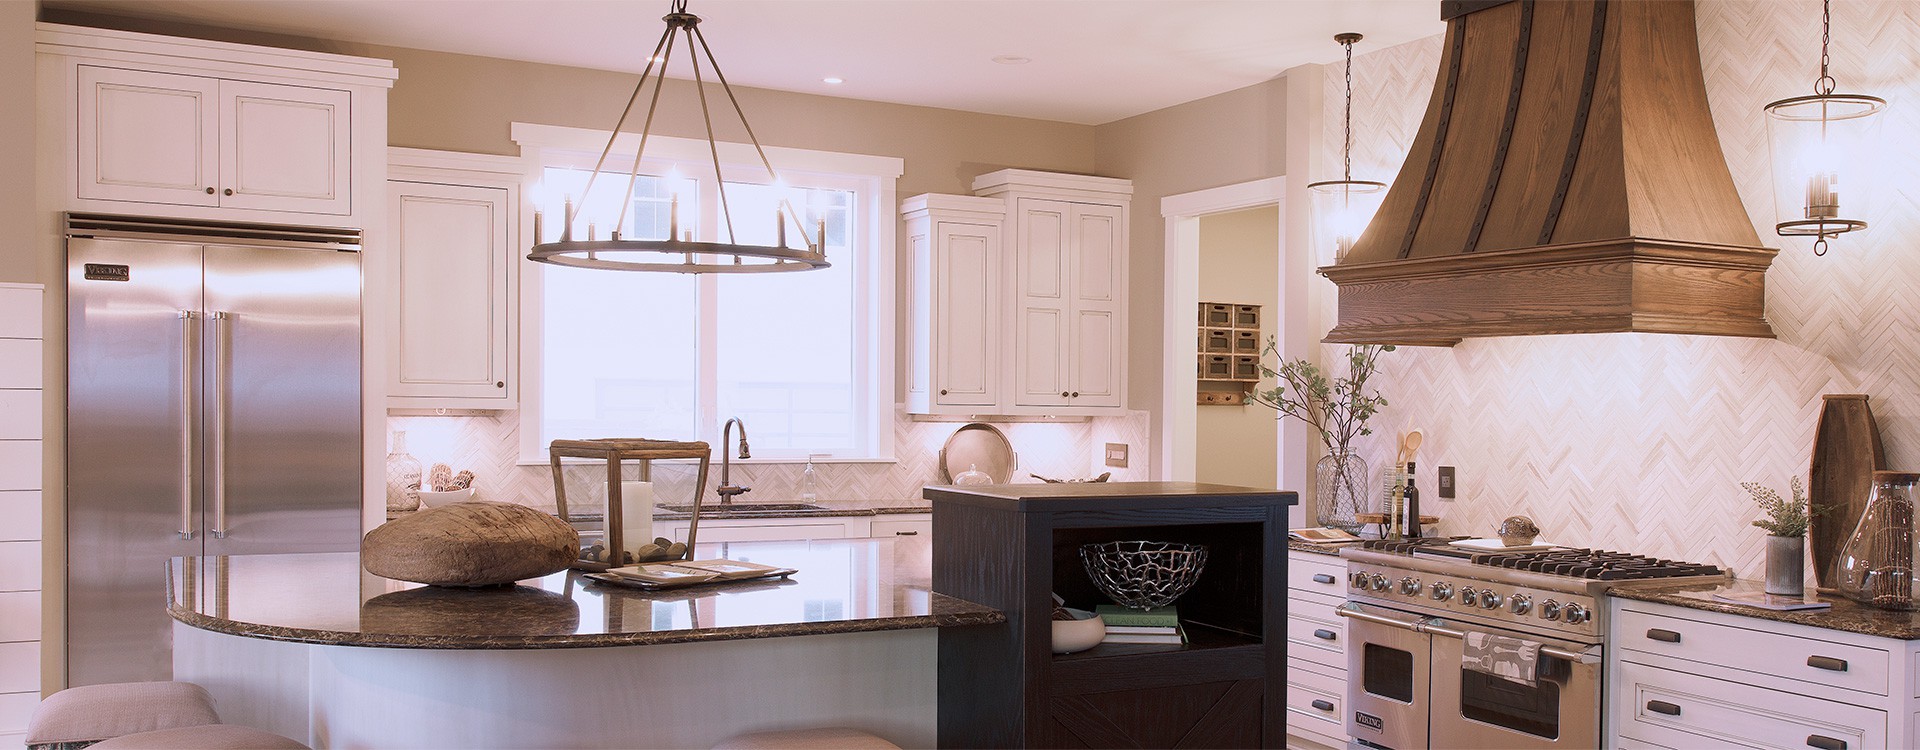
213, 408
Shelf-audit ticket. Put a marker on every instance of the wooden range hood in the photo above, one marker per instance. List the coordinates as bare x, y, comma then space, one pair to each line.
1566, 179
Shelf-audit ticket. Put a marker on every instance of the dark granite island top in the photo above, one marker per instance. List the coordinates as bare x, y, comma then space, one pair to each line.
1845, 615
844, 586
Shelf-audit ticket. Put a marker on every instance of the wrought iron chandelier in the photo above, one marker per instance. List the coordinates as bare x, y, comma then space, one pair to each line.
679, 253
1819, 143
1342, 208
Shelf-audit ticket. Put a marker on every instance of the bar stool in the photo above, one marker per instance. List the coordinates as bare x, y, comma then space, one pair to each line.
78, 717
208, 737
824, 738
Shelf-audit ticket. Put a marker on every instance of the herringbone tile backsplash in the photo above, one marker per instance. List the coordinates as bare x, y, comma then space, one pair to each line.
1640, 441
490, 447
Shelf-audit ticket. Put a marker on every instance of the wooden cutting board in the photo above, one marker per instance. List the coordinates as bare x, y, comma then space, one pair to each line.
1846, 452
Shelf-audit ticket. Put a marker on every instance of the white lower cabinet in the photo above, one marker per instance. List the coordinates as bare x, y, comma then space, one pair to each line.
800, 528
1686, 678
1316, 649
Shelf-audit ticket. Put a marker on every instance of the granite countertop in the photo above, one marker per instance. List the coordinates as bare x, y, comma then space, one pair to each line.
1075, 496
1332, 550
714, 512
1846, 615
844, 586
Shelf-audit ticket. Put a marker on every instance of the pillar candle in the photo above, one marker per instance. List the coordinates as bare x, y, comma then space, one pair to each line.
636, 515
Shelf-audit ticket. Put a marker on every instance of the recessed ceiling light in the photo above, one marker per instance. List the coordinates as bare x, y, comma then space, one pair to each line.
1012, 60
833, 79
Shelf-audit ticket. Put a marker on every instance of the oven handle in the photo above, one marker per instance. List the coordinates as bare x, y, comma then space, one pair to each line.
1428, 625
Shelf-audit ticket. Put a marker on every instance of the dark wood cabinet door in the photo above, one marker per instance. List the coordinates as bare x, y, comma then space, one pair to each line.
1211, 715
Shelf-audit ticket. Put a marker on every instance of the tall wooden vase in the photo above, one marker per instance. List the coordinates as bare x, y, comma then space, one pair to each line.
1846, 452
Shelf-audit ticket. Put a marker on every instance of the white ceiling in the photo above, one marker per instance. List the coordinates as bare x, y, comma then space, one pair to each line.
1093, 61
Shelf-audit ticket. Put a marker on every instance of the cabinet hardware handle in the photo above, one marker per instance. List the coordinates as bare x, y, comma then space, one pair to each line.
228, 191
1326, 705
1063, 394
1324, 634
1663, 635
1663, 707
1322, 578
209, 190
1825, 743
943, 391
1076, 394
499, 383
1828, 663
906, 533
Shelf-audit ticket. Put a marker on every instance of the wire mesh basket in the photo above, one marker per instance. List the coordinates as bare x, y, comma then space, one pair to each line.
1143, 575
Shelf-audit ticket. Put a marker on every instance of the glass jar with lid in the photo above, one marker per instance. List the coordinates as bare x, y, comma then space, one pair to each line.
1876, 565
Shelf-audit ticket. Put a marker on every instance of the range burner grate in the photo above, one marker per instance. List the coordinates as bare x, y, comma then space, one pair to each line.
1599, 565
1407, 546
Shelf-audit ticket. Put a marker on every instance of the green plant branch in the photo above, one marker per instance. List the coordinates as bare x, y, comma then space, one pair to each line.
1337, 408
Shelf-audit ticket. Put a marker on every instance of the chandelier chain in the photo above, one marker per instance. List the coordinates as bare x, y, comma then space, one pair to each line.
1825, 84
1346, 149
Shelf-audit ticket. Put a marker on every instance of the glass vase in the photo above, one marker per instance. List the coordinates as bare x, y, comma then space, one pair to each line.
403, 476
1340, 488
1876, 566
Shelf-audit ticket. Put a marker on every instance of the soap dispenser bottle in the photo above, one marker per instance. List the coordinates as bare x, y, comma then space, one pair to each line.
809, 481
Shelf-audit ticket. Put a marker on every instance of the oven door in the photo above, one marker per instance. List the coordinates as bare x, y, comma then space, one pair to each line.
1387, 673
1477, 710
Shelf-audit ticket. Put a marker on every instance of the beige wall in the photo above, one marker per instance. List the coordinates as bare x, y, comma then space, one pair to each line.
1224, 139
18, 260
1239, 264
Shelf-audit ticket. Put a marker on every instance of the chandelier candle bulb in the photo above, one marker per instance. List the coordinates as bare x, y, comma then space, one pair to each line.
822, 236
673, 217
566, 219
780, 228
536, 227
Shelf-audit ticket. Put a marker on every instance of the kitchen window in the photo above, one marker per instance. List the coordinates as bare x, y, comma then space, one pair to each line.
806, 359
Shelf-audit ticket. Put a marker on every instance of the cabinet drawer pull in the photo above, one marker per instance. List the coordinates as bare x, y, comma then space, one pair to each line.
1322, 578
1663, 635
906, 533
209, 190
1324, 634
1827, 663
1327, 706
1825, 743
1663, 707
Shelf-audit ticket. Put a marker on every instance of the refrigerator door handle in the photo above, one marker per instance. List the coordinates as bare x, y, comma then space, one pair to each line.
218, 472
189, 367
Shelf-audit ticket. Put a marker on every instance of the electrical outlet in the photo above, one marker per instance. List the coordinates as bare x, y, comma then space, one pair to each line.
1117, 455
1446, 482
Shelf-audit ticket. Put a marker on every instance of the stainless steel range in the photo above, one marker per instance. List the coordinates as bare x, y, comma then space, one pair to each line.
1410, 605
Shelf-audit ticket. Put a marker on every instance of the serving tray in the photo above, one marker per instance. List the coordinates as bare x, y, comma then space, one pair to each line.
613, 579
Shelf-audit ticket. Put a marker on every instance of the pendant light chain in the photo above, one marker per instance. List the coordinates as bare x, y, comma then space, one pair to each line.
1346, 150
1825, 84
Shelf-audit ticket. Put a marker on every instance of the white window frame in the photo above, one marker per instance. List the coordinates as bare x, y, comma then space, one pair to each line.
871, 177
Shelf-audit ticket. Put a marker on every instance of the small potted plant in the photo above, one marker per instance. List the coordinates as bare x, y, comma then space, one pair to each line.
1786, 523
1338, 408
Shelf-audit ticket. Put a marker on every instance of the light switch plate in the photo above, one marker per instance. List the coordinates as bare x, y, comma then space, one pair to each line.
1117, 455
1446, 482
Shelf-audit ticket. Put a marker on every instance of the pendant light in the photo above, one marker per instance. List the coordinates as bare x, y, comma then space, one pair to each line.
1820, 144
1342, 208
679, 253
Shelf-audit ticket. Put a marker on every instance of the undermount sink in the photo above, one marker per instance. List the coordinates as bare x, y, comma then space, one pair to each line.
742, 508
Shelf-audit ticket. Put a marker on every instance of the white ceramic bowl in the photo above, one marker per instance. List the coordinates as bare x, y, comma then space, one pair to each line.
1079, 634
431, 499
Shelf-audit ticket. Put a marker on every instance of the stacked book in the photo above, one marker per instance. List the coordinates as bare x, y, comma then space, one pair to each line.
1157, 625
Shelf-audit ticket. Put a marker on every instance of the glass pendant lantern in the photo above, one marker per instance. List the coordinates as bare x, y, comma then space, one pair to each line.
1342, 208
1824, 147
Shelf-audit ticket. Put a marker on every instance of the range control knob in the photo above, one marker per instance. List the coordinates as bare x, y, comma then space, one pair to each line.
1469, 595
1490, 600
1442, 591
1359, 579
1576, 614
1410, 586
1549, 610
1519, 604
1380, 582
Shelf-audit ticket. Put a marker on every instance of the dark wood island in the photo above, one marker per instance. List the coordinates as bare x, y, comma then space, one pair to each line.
1012, 547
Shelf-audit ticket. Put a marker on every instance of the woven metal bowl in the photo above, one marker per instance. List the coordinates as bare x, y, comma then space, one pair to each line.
1143, 575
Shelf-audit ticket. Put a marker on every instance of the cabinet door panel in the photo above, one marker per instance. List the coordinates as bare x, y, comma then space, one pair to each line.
1097, 279
452, 272
1042, 328
1096, 363
285, 148
1096, 260
966, 313
1043, 249
1043, 341
149, 137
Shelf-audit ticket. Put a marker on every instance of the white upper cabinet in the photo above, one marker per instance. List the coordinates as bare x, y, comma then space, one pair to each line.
954, 339
1054, 343
453, 222
208, 130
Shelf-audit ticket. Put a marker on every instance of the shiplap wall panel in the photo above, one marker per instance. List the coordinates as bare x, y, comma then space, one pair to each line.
20, 515
20, 616
20, 363
20, 566
20, 414
19, 670
21, 429
1640, 441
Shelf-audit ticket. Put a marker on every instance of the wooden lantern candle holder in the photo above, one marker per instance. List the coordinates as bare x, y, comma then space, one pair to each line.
613, 451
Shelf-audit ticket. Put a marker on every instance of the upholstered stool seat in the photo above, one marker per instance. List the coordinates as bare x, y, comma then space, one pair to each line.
209, 737
826, 738
77, 717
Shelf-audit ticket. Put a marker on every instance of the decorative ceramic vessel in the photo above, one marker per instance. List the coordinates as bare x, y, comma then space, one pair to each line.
1340, 490
403, 476
1083, 632
1518, 531
1786, 565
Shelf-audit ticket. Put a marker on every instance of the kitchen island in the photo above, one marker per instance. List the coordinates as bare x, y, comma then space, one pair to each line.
313, 647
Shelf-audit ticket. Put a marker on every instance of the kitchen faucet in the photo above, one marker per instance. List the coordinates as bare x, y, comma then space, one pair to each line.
727, 489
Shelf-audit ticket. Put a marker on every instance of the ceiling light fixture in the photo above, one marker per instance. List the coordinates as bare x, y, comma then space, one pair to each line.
679, 253
1012, 60
1342, 208
836, 80
1820, 142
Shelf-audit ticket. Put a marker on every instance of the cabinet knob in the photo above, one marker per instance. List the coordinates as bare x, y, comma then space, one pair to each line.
499, 383
943, 391
209, 190
1076, 394
1063, 394
228, 191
